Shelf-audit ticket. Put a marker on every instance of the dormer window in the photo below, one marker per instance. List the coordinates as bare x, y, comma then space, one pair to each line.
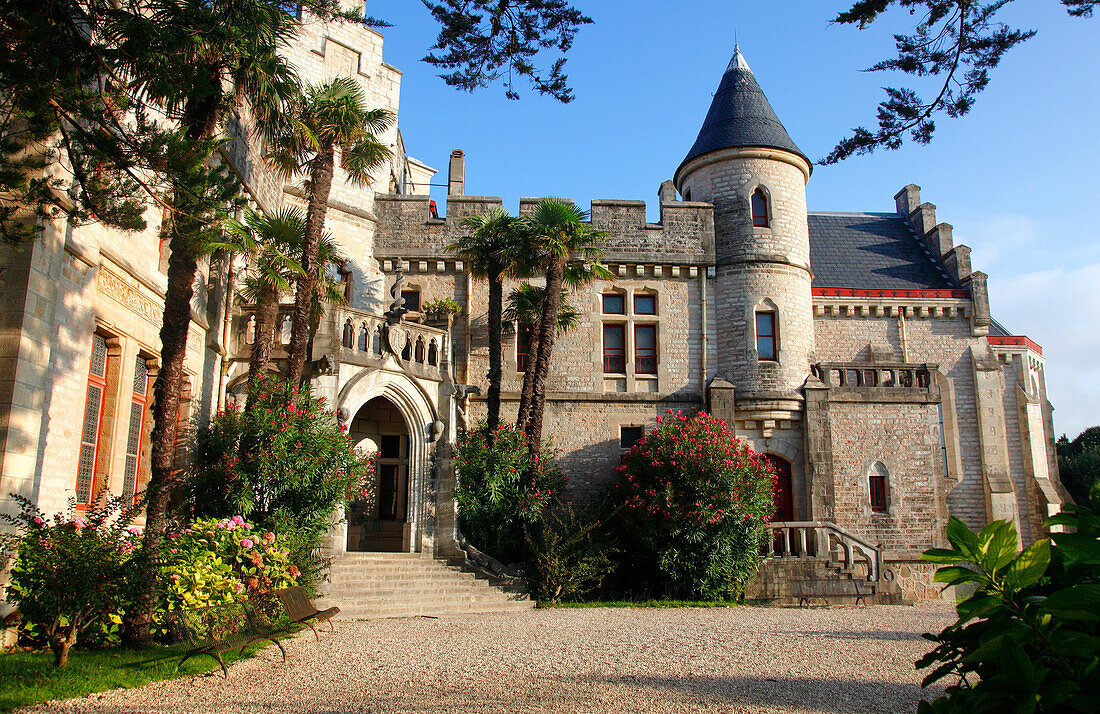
760, 214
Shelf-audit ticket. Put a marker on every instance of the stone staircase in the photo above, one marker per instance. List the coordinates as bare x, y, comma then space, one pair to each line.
373, 585
820, 563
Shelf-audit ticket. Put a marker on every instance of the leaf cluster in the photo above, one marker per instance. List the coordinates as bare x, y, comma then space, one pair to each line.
957, 42
486, 40
1028, 638
1079, 462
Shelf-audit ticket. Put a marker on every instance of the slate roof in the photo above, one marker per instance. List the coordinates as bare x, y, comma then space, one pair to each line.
875, 251
740, 115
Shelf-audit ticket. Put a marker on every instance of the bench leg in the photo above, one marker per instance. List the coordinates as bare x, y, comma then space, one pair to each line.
215, 655
280, 646
310, 625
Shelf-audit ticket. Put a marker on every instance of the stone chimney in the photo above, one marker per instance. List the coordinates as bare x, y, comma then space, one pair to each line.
456, 180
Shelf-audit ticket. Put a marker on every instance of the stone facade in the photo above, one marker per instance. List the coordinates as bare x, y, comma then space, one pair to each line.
889, 376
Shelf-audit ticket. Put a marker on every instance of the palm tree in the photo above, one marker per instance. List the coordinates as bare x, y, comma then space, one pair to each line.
561, 234
197, 61
326, 287
270, 243
324, 119
525, 309
494, 249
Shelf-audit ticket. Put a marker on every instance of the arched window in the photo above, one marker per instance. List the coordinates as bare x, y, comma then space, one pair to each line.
877, 483
285, 329
250, 330
419, 353
349, 335
363, 337
433, 354
767, 342
761, 217
376, 342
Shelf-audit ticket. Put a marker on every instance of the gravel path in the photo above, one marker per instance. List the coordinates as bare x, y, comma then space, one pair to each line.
592, 660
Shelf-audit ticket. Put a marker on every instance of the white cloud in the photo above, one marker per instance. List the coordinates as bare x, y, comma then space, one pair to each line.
1059, 309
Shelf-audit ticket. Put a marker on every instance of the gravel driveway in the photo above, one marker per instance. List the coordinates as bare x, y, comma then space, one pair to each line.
592, 660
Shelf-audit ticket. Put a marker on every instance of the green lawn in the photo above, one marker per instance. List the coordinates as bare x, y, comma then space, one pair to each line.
31, 678
645, 603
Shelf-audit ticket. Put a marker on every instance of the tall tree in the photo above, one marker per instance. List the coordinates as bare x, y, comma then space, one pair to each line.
561, 234
323, 120
197, 60
494, 249
269, 243
957, 42
524, 307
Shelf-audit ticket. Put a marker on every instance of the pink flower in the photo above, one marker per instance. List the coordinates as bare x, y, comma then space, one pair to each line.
239, 520
134, 530
246, 543
173, 551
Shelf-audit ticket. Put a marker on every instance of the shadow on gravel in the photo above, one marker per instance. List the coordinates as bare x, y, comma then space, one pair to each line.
892, 636
811, 694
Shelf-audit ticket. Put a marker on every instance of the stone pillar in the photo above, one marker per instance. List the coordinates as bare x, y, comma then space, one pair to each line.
456, 175
1000, 495
819, 452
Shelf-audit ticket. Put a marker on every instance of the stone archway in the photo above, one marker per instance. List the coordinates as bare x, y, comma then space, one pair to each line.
379, 521
368, 394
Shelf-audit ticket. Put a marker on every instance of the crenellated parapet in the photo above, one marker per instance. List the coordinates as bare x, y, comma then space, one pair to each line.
938, 239
407, 228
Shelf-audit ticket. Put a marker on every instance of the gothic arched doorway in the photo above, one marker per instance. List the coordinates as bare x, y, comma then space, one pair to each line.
379, 521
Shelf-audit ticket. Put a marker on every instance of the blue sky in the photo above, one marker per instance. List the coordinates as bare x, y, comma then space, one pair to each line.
1016, 177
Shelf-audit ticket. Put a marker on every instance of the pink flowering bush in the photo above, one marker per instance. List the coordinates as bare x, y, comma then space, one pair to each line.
219, 561
286, 465
692, 502
71, 575
495, 505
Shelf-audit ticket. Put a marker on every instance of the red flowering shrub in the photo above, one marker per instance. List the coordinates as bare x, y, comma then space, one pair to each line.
494, 503
692, 504
285, 464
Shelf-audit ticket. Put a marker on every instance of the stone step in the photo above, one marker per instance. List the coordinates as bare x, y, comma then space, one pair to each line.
352, 577
412, 591
373, 613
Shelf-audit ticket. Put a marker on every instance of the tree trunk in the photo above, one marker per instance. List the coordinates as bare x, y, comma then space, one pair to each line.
320, 185
267, 311
60, 647
524, 415
496, 372
201, 119
547, 328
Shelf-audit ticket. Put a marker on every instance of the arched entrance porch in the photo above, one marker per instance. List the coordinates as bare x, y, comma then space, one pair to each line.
379, 521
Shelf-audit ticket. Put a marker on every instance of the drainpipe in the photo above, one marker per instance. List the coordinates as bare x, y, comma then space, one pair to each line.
227, 322
703, 326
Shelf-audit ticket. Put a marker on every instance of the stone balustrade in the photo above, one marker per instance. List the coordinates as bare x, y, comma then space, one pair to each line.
824, 540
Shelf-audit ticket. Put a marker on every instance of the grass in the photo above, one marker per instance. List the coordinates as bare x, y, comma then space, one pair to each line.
644, 603
31, 677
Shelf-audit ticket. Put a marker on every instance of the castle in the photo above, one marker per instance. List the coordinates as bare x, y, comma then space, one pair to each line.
856, 350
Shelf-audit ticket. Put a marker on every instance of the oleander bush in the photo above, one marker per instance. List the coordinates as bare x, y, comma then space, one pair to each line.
72, 572
285, 464
495, 502
692, 502
1028, 638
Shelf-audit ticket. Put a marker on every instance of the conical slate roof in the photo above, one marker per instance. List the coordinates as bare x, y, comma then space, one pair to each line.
740, 115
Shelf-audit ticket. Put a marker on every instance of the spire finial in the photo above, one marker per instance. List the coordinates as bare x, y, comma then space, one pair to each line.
738, 60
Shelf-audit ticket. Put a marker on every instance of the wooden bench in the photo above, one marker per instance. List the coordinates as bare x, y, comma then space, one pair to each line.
220, 628
301, 611
856, 591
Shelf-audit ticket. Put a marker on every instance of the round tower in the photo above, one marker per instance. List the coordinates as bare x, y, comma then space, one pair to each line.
746, 165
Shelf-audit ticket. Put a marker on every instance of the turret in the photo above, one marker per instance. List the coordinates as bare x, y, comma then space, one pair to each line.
746, 165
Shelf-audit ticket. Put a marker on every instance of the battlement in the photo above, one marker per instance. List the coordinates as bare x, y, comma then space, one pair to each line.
407, 227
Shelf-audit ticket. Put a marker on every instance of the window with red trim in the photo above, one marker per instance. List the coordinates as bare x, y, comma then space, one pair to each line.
523, 347
645, 349
93, 418
877, 487
760, 215
645, 304
614, 304
614, 349
765, 336
139, 401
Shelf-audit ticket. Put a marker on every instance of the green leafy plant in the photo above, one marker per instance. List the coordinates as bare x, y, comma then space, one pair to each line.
441, 308
1028, 638
693, 501
285, 465
569, 555
72, 571
495, 505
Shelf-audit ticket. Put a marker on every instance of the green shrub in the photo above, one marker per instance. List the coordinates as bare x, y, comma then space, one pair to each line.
495, 505
1028, 638
568, 555
692, 502
284, 464
71, 574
